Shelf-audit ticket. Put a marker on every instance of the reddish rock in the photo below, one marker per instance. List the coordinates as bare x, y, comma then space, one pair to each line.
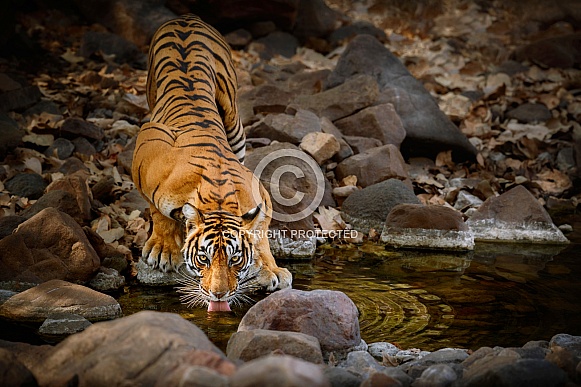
75, 184
374, 165
50, 245
426, 217
61, 200
140, 349
13, 372
286, 127
362, 144
328, 315
380, 122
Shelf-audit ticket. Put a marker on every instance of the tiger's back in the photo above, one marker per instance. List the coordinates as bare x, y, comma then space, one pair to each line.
187, 165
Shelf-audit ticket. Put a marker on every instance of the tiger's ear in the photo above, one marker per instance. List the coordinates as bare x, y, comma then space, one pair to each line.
253, 218
192, 216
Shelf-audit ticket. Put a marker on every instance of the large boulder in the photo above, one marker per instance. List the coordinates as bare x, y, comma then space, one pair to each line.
428, 129
142, 349
328, 315
50, 245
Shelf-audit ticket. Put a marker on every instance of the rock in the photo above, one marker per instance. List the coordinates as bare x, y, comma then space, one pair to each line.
134, 20
275, 43
362, 144
377, 379
50, 245
268, 98
514, 216
431, 227
295, 183
437, 375
278, 371
530, 113
249, 345
297, 243
428, 129
155, 277
74, 127
344, 149
28, 185
340, 377
9, 223
238, 38
380, 122
107, 280
76, 184
83, 147
330, 316
307, 82
359, 27
16, 94
374, 166
354, 94
72, 165
123, 51
380, 349
315, 19
61, 148
36, 304
59, 325
321, 146
286, 128
522, 372
10, 135
369, 207
565, 352
466, 200
363, 364
13, 372
344, 192
61, 200
140, 349
194, 375
556, 52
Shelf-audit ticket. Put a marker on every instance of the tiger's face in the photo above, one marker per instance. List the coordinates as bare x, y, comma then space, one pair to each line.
219, 258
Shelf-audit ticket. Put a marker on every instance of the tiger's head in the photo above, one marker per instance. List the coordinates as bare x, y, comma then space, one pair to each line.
218, 253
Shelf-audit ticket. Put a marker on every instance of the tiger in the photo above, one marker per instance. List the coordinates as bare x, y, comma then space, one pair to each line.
188, 165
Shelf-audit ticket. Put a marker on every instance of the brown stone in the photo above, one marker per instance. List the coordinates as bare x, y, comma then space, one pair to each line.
362, 144
13, 372
75, 127
380, 122
140, 349
76, 184
344, 149
56, 296
321, 146
286, 127
356, 93
330, 316
50, 245
249, 345
426, 217
374, 165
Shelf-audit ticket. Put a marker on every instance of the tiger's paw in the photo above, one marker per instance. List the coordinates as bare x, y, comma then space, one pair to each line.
162, 253
271, 280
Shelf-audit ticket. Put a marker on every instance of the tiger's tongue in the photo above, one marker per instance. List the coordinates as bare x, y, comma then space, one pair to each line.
218, 306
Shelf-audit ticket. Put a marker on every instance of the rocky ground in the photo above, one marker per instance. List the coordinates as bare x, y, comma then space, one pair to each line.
429, 125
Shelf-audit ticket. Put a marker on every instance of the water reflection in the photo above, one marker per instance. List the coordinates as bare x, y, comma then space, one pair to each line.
424, 299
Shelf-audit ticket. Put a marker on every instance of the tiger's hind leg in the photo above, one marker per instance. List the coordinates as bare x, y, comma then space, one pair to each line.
163, 248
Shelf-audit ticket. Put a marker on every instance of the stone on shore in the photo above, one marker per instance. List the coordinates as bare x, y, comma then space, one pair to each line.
36, 304
328, 315
249, 345
514, 216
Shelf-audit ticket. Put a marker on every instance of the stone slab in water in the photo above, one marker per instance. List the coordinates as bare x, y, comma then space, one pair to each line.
58, 326
514, 216
155, 277
429, 227
283, 247
36, 304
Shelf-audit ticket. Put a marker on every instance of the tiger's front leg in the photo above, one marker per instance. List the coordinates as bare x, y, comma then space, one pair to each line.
163, 248
271, 276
